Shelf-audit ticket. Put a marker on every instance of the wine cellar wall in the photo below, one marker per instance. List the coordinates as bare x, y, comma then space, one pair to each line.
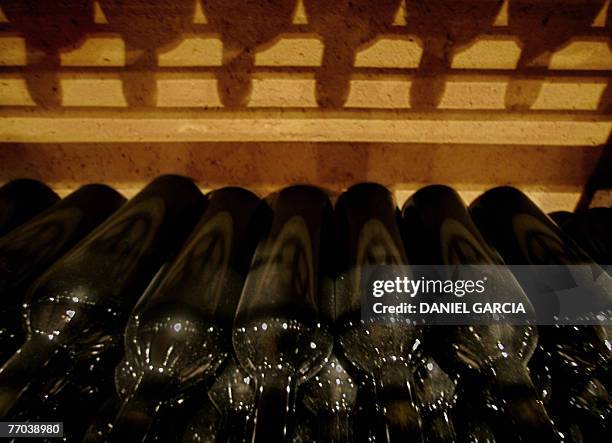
264, 94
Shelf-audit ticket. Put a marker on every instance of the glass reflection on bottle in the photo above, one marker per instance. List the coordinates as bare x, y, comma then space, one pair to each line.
204, 426
369, 235
233, 394
436, 394
280, 333
27, 251
180, 334
331, 396
78, 308
438, 229
524, 235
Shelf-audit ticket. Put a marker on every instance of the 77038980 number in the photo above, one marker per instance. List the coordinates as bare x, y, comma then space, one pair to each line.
31, 429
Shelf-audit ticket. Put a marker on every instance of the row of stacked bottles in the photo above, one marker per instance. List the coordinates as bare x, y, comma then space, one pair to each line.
178, 316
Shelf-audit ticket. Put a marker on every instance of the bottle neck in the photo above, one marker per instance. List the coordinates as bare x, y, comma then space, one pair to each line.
337, 427
399, 418
583, 406
101, 424
26, 368
138, 412
513, 390
235, 426
275, 407
438, 426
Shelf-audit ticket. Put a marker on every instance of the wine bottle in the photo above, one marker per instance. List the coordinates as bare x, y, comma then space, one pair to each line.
591, 229
476, 430
22, 199
587, 412
524, 235
368, 232
439, 230
100, 423
580, 407
27, 251
100, 426
442, 420
181, 333
471, 424
78, 308
173, 418
436, 394
173, 423
233, 394
560, 217
541, 374
281, 336
306, 428
204, 426
71, 397
331, 396
366, 422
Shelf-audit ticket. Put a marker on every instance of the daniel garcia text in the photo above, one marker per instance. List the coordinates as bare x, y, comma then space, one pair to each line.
457, 288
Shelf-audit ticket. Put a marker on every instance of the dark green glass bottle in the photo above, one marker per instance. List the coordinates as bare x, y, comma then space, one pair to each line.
436, 395
438, 230
181, 333
27, 251
524, 235
281, 336
368, 235
592, 230
22, 199
331, 396
77, 309
233, 394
